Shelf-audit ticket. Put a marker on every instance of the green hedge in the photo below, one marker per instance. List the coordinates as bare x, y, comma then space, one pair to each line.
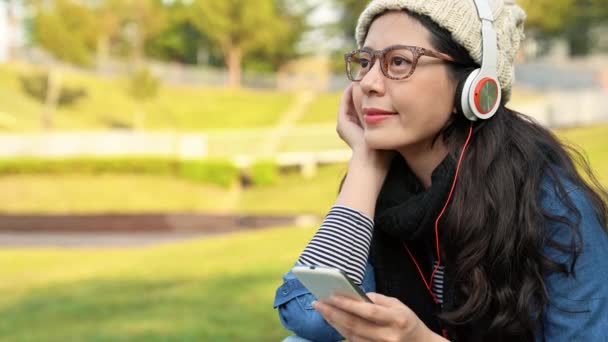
264, 172
218, 171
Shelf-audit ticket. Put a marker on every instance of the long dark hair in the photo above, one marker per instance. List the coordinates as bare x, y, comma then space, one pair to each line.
493, 233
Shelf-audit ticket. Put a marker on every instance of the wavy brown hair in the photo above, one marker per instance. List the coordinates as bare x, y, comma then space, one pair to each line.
494, 232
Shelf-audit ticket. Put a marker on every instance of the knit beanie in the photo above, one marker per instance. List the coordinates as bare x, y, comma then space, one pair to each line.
460, 18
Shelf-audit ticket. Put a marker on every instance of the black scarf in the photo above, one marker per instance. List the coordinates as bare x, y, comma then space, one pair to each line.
406, 212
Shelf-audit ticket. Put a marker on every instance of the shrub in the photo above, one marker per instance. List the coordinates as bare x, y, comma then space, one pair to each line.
264, 172
217, 171
37, 85
87, 165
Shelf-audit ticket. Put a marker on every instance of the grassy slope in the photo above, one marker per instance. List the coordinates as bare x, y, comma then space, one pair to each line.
176, 107
219, 289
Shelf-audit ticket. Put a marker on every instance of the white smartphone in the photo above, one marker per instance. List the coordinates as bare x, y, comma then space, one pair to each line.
324, 282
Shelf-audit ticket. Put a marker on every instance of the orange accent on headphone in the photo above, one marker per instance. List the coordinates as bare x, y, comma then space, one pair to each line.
480, 85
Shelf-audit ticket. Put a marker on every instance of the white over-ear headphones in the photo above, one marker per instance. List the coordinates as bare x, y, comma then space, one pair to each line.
481, 93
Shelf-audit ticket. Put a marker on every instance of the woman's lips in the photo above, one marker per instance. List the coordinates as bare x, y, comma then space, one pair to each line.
375, 115
372, 119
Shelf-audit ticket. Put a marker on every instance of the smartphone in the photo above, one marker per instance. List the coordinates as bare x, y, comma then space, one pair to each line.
324, 282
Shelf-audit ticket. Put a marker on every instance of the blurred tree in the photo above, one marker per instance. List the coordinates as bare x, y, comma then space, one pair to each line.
569, 19
142, 20
344, 27
585, 15
108, 23
349, 11
125, 26
180, 40
66, 29
143, 86
271, 57
547, 16
36, 85
241, 26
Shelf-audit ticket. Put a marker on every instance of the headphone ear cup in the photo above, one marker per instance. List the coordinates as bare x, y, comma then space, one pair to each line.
464, 104
458, 98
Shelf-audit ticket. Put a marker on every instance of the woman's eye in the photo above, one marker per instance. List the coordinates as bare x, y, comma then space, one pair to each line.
364, 62
398, 61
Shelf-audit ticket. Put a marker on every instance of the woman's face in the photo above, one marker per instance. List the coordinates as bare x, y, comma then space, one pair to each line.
423, 102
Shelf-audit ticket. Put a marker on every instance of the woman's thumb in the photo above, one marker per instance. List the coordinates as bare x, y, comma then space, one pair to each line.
382, 299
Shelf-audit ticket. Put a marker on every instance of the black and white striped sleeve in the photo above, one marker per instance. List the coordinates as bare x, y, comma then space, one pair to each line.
341, 242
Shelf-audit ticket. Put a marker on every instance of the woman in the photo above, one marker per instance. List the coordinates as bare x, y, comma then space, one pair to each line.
458, 226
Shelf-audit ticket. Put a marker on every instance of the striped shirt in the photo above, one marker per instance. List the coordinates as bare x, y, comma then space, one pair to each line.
343, 242
437, 286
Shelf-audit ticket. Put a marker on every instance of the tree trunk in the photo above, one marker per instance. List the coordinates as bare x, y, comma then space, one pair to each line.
139, 117
52, 97
103, 50
138, 46
233, 61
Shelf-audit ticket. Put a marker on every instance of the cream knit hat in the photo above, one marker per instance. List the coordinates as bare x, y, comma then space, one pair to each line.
460, 18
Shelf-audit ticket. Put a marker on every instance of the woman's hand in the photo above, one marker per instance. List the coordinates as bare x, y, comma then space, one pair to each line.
350, 129
387, 319
349, 126
367, 168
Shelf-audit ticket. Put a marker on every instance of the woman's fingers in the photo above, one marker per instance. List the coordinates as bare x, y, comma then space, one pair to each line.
347, 99
349, 325
379, 314
347, 107
349, 127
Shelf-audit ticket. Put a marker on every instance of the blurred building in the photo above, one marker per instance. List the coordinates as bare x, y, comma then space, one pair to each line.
12, 32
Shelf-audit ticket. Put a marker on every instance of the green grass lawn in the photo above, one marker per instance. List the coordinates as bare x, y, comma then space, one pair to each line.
323, 109
593, 141
184, 108
216, 289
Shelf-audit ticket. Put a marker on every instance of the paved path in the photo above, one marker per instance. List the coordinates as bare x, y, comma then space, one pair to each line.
96, 239
128, 230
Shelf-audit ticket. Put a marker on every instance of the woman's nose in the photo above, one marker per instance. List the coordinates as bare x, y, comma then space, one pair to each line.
373, 81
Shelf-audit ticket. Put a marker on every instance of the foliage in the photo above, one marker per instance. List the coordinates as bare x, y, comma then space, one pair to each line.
36, 86
179, 40
87, 165
143, 85
345, 25
547, 15
238, 27
216, 171
264, 172
66, 29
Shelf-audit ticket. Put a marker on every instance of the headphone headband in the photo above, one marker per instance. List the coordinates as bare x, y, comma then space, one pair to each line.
481, 92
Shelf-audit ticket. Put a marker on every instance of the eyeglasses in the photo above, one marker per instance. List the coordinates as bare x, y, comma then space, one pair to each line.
397, 62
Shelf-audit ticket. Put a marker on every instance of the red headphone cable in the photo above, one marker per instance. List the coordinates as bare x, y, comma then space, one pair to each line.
428, 285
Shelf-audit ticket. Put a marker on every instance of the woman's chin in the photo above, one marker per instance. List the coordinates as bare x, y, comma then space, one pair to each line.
380, 142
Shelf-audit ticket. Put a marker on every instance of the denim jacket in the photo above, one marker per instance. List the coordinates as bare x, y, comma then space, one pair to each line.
577, 309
